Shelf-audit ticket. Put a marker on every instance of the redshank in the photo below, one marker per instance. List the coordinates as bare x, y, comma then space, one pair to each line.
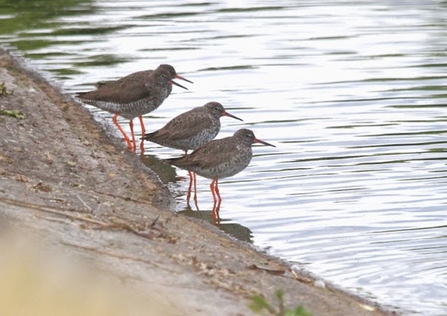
220, 158
133, 96
191, 130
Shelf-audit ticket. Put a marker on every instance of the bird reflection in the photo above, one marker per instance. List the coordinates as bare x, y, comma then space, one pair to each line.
216, 209
235, 230
165, 172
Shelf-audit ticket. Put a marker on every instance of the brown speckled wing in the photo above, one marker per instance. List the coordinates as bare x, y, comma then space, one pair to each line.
209, 155
185, 125
128, 89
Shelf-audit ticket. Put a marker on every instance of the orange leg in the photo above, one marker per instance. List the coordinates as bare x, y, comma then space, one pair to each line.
192, 182
194, 175
126, 138
143, 131
214, 186
216, 189
212, 191
188, 196
134, 143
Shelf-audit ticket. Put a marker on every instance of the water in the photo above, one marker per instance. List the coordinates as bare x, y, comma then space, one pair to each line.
352, 93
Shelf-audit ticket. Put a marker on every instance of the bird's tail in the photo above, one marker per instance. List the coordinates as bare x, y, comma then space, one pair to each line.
149, 136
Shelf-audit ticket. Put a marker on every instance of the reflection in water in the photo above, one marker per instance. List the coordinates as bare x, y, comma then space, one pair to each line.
165, 171
355, 100
192, 188
233, 229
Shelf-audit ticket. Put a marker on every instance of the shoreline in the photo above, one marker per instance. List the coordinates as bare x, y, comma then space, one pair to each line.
66, 181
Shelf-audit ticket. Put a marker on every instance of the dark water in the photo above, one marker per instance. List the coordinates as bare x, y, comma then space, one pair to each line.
352, 93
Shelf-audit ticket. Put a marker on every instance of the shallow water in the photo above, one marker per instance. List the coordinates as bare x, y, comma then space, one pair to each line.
352, 94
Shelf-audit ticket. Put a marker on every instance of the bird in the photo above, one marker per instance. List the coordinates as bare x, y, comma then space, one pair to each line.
191, 130
133, 96
220, 158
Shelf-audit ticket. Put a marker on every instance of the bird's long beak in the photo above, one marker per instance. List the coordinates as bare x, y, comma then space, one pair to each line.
263, 142
181, 78
225, 113
178, 85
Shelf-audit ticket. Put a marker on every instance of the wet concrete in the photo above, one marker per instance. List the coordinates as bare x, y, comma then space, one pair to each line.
75, 188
